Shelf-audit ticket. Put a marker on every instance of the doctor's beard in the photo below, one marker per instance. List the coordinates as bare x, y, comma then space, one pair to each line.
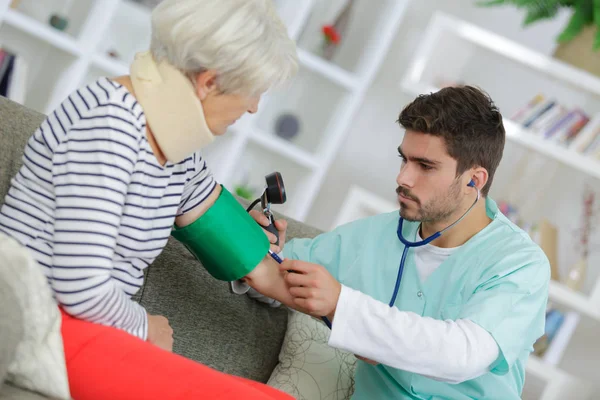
440, 208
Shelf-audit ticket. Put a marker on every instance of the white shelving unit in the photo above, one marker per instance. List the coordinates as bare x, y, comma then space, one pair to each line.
360, 203
460, 47
325, 96
60, 61
445, 27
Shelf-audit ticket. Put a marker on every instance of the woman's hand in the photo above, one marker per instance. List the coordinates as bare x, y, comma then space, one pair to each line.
280, 225
160, 332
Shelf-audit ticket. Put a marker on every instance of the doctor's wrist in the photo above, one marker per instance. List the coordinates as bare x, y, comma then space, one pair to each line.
338, 292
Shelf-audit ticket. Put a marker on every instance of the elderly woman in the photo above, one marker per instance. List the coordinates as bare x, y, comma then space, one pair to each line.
115, 169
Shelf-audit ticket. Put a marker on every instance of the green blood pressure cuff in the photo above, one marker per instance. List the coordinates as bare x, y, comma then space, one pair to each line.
225, 239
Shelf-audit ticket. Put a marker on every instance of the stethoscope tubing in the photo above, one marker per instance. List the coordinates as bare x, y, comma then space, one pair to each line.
408, 244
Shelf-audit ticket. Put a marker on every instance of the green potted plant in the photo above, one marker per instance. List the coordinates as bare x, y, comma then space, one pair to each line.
579, 42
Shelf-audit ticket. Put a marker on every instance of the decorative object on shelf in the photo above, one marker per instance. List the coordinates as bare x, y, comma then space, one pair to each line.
58, 22
554, 320
334, 32
15, 3
576, 275
579, 42
112, 53
544, 233
548, 241
244, 192
577, 272
287, 126
13, 75
331, 38
577, 51
243, 188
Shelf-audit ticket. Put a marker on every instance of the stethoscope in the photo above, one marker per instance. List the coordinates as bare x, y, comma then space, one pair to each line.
408, 245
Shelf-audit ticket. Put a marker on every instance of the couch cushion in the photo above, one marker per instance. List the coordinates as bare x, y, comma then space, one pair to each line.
11, 326
39, 363
309, 369
10, 392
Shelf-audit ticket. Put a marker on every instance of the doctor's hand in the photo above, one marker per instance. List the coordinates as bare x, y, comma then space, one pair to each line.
314, 290
280, 225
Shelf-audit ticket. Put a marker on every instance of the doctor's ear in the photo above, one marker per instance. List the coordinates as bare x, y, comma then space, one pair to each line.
479, 177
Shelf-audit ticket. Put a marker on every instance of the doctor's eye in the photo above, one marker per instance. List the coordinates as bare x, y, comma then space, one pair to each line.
426, 167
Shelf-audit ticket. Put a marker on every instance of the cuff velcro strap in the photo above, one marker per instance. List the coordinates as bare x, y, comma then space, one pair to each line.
225, 239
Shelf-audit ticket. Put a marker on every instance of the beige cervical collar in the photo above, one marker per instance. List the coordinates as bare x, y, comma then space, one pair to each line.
172, 109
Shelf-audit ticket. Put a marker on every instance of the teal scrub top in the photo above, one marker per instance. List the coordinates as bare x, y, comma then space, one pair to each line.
498, 279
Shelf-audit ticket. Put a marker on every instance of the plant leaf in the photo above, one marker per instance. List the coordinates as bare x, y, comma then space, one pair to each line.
588, 9
575, 25
541, 9
489, 3
597, 24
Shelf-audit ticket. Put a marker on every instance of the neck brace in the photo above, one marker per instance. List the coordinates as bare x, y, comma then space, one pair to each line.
172, 109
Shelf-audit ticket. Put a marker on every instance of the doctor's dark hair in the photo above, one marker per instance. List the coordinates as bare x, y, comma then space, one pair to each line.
468, 121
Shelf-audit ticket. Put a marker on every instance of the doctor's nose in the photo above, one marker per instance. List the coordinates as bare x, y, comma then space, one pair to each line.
406, 177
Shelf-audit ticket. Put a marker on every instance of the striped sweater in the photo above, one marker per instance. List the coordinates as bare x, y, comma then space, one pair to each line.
95, 207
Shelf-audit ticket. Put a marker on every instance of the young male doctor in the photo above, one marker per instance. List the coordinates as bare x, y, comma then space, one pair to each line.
470, 304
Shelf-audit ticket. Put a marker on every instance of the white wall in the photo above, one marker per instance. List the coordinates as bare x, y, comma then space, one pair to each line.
368, 157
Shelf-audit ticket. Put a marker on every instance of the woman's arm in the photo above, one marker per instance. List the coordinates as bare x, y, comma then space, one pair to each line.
199, 210
89, 200
265, 277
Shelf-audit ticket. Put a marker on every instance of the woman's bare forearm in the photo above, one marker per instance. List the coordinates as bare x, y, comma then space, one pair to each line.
268, 280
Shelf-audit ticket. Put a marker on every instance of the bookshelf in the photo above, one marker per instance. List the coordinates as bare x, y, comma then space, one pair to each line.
102, 37
454, 51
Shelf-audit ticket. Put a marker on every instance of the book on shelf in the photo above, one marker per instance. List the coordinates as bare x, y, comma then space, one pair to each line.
539, 112
524, 113
588, 136
547, 118
546, 121
13, 75
594, 148
569, 133
567, 127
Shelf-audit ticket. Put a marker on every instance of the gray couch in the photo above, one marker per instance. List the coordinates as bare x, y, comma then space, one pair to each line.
228, 332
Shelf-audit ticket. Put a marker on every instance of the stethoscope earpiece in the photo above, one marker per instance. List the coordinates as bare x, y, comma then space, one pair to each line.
472, 183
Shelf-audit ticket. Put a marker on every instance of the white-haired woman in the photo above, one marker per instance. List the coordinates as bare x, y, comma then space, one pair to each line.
116, 166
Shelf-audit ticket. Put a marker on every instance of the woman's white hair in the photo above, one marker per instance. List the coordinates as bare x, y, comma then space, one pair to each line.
244, 41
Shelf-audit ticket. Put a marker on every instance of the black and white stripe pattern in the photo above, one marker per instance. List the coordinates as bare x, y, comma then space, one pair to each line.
94, 205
